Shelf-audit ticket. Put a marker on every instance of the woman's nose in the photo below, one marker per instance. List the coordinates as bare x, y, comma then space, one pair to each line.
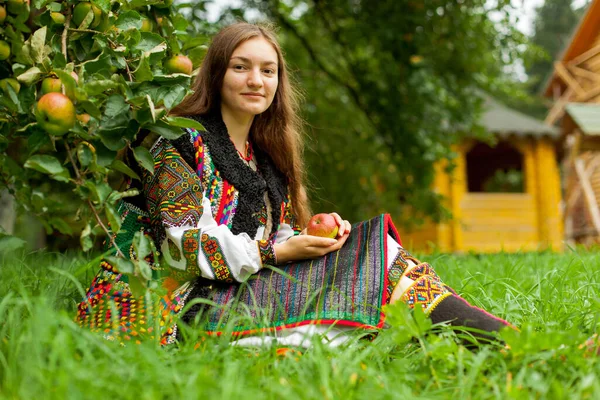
254, 78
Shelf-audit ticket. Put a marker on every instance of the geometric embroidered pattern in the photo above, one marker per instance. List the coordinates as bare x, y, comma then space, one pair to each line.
173, 250
404, 256
267, 253
428, 291
395, 273
212, 250
189, 244
422, 270
173, 191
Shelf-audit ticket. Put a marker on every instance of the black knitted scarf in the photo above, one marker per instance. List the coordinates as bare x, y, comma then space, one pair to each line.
250, 184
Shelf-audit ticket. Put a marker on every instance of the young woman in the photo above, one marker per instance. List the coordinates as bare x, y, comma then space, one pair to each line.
226, 208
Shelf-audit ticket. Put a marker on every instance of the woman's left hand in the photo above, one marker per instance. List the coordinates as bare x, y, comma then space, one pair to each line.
343, 224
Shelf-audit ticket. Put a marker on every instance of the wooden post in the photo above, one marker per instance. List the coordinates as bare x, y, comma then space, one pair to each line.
549, 195
458, 188
442, 186
588, 192
558, 109
566, 76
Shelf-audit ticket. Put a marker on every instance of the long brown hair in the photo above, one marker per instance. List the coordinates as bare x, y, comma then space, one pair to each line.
278, 130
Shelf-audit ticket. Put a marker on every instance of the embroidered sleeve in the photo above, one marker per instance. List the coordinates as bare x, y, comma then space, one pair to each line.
267, 252
288, 226
190, 240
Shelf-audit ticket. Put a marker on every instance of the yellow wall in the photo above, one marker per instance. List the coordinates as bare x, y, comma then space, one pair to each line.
490, 222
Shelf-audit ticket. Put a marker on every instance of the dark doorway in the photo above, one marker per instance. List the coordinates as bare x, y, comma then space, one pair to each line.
497, 169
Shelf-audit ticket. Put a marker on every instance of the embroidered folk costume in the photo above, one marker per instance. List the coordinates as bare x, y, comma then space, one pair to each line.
214, 216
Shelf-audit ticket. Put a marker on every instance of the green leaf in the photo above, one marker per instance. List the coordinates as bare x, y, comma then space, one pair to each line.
48, 165
116, 196
129, 20
59, 61
85, 239
104, 5
14, 98
36, 139
122, 265
38, 45
151, 42
145, 269
100, 190
30, 76
113, 138
91, 109
98, 86
197, 54
67, 80
114, 219
143, 72
120, 166
183, 122
9, 244
170, 96
144, 158
85, 24
137, 285
85, 155
100, 64
61, 225
115, 105
39, 4
164, 130
142, 245
54, 6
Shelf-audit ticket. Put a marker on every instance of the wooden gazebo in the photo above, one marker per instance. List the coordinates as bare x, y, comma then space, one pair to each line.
575, 88
503, 197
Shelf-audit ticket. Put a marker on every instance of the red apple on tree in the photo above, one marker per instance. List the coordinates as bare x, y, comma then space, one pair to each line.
323, 225
2, 14
55, 113
179, 64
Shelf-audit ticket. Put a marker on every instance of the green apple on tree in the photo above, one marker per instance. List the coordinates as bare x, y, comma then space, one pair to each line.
4, 83
179, 64
82, 9
55, 113
4, 50
146, 25
50, 85
57, 18
16, 6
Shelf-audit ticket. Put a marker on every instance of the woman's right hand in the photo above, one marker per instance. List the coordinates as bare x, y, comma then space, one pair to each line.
303, 247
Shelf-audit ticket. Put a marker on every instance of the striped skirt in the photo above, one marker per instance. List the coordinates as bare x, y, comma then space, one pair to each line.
345, 288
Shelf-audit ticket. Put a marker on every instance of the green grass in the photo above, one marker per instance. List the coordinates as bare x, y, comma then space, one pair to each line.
553, 298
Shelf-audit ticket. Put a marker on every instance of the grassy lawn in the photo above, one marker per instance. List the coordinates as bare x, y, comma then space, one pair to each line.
553, 298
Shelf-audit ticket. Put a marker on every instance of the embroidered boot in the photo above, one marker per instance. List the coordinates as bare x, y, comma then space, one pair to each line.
416, 283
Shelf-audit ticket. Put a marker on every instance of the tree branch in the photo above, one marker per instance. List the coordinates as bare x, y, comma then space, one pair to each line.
91, 205
313, 55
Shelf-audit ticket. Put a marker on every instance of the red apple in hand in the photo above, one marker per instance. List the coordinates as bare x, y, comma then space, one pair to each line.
323, 225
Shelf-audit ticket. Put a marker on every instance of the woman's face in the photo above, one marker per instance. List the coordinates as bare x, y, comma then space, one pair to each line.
251, 79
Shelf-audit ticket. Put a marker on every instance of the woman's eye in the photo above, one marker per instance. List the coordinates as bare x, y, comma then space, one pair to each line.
239, 67
269, 71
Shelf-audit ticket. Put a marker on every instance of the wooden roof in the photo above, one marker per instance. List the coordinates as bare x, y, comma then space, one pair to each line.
503, 121
586, 116
582, 39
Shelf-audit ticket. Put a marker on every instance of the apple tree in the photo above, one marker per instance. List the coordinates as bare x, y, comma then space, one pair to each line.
79, 81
